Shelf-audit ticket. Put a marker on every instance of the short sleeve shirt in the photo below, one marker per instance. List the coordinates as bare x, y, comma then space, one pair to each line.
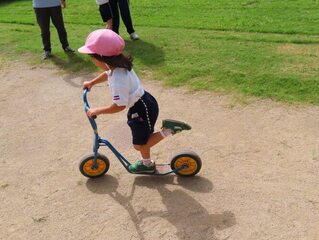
125, 86
101, 2
46, 3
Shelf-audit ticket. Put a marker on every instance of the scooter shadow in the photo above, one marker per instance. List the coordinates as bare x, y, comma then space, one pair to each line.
190, 219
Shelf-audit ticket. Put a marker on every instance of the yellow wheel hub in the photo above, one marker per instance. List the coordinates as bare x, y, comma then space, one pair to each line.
191, 163
87, 167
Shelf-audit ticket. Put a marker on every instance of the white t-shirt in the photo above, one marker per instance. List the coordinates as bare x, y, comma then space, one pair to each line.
125, 86
100, 2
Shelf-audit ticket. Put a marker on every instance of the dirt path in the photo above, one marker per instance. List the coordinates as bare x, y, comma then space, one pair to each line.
259, 179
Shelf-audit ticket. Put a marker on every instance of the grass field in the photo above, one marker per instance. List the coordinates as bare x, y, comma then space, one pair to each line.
268, 49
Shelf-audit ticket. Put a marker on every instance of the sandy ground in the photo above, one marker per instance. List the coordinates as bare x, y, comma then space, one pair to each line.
259, 178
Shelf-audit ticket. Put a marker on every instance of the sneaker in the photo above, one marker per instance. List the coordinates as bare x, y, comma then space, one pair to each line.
68, 50
139, 167
175, 126
46, 55
134, 36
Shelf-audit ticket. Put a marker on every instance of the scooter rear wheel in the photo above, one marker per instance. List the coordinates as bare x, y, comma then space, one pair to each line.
88, 170
190, 160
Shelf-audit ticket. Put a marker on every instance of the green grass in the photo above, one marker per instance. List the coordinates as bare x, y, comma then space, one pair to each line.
268, 49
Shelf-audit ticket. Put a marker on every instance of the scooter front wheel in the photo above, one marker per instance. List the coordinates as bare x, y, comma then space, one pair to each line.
91, 170
189, 162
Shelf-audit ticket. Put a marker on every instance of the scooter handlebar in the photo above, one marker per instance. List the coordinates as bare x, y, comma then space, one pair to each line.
86, 103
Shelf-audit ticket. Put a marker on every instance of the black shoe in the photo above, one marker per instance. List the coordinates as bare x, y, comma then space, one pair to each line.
46, 55
68, 50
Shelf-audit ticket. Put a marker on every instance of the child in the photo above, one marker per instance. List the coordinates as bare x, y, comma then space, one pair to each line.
105, 47
106, 12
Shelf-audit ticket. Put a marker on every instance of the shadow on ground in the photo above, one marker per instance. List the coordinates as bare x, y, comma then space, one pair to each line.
188, 216
147, 53
73, 67
7, 2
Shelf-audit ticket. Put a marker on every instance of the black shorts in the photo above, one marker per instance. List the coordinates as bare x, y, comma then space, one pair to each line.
142, 118
106, 12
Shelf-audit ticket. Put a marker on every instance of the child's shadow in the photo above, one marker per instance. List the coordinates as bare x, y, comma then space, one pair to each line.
189, 217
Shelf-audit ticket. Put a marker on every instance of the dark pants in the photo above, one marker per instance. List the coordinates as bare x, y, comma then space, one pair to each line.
106, 12
124, 7
43, 18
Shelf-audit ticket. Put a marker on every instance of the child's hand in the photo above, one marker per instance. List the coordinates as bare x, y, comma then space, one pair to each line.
93, 112
87, 85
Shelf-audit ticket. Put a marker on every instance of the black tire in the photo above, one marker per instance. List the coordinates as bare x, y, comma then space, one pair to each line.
191, 159
86, 163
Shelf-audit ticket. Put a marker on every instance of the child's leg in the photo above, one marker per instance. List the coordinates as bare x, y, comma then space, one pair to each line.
146, 164
145, 149
168, 128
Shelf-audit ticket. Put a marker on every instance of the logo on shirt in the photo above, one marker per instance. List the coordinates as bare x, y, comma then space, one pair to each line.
116, 97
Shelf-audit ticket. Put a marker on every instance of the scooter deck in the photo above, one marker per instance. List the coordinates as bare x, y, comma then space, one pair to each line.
162, 168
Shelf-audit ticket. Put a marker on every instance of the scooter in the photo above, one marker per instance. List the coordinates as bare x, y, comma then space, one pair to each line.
95, 165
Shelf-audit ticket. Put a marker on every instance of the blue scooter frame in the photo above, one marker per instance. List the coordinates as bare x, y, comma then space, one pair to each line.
184, 161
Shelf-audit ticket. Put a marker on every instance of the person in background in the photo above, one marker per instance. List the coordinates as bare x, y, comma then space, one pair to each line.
46, 10
124, 7
106, 12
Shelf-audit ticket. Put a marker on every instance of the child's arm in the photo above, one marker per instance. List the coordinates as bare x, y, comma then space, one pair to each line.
89, 84
105, 110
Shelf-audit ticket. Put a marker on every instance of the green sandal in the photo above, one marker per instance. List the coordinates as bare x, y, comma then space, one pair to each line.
139, 167
175, 126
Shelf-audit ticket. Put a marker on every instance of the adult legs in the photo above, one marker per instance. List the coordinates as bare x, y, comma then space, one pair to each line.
115, 12
43, 19
57, 20
126, 15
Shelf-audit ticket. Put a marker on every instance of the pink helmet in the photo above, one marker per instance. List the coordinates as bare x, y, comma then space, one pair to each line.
104, 42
